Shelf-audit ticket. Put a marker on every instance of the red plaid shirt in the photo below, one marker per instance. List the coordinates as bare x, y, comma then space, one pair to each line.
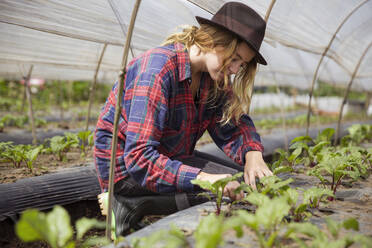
159, 121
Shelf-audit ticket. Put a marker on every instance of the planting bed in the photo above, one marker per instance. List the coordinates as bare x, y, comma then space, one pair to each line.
353, 202
352, 199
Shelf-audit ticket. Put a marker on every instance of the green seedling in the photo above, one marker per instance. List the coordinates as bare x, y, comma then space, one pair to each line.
86, 138
358, 133
60, 145
316, 237
269, 185
314, 196
297, 211
31, 155
281, 164
336, 166
217, 188
305, 149
55, 229
359, 157
15, 154
267, 218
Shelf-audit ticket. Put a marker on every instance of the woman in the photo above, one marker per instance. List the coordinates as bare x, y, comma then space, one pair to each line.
172, 94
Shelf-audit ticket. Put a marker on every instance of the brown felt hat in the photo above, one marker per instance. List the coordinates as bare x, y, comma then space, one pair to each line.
242, 21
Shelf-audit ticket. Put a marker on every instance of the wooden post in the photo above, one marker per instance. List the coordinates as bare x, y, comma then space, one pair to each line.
93, 86
116, 120
367, 102
320, 61
30, 110
24, 98
337, 133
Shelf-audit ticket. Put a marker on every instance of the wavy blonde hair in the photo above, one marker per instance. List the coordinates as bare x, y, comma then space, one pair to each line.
207, 38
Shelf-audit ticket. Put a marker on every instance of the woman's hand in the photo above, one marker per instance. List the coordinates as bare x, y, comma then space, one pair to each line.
254, 167
229, 188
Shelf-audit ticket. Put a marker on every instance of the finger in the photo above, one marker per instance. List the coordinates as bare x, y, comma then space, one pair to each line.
260, 174
246, 178
252, 180
240, 196
267, 172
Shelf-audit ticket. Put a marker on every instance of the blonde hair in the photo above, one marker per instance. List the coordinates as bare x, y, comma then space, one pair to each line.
207, 38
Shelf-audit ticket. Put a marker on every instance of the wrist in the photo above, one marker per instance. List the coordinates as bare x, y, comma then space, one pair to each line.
200, 176
253, 154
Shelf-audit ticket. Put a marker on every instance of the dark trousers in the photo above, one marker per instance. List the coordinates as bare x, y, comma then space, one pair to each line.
132, 201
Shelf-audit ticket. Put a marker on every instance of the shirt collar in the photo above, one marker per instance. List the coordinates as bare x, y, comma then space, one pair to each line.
183, 62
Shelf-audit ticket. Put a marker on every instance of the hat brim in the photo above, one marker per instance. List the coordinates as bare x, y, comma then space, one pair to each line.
259, 58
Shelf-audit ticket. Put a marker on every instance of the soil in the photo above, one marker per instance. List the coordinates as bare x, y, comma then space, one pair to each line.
45, 163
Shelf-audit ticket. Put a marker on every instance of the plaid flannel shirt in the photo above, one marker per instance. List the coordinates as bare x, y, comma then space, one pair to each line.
159, 121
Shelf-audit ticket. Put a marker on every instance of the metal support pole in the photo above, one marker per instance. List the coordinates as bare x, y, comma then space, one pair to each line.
116, 120
93, 86
29, 99
321, 59
337, 133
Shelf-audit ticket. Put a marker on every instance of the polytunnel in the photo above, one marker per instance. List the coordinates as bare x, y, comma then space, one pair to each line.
307, 43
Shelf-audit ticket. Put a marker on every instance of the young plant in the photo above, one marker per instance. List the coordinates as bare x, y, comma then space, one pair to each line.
60, 145
358, 133
217, 188
297, 211
31, 155
319, 238
336, 167
305, 149
281, 164
267, 218
273, 185
15, 154
55, 228
86, 138
314, 196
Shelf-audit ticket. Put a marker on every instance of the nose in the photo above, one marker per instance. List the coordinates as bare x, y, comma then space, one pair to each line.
234, 67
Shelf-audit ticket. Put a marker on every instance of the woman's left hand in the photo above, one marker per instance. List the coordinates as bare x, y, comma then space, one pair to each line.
254, 167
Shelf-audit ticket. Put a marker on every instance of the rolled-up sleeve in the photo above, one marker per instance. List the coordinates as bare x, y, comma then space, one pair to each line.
235, 140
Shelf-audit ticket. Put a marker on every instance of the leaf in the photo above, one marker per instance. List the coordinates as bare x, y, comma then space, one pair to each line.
257, 199
333, 227
305, 139
306, 228
85, 224
60, 230
209, 232
292, 196
282, 169
31, 226
271, 214
203, 184
318, 147
295, 154
325, 135
248, 219
351, 223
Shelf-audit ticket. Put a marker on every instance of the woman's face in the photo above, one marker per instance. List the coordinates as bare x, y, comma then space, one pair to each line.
214, 60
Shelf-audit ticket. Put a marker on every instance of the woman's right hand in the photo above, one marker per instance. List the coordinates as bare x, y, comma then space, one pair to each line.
229, 188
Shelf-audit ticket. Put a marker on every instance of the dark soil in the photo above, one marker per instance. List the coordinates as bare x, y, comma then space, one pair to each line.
45, 163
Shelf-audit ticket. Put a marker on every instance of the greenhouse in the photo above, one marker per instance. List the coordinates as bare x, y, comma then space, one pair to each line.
83, 113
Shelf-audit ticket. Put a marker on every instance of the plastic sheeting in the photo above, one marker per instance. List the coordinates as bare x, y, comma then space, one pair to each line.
64, 39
